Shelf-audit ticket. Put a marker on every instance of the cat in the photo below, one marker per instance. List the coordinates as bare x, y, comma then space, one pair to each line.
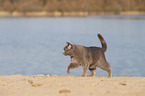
87, 57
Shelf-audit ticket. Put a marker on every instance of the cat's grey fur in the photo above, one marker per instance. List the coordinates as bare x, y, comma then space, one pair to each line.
87, 57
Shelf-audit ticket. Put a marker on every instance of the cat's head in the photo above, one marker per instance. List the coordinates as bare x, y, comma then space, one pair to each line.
68, 49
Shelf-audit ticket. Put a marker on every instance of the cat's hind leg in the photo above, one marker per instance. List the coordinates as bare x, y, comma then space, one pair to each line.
109, 73
93, 72
105, 66
92, 69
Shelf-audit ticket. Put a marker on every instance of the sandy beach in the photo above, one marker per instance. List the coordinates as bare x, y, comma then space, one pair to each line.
72, 14
54, 85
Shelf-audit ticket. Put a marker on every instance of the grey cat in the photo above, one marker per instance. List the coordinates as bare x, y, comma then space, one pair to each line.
87, 57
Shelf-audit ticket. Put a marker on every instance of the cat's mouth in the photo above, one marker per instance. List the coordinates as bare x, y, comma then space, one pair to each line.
64, 53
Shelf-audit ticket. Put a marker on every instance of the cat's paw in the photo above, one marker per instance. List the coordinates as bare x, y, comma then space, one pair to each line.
90, 75
68, 71
83, 76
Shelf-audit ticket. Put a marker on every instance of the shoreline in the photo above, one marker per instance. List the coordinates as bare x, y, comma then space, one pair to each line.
58, 14
55, 85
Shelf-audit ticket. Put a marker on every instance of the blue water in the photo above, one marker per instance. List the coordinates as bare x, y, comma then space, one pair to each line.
31, 46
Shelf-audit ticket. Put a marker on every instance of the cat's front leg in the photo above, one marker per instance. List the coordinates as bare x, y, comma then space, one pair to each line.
85, 70
72, 66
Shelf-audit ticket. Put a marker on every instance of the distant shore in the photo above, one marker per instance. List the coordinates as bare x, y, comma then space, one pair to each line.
57, 13
54, 85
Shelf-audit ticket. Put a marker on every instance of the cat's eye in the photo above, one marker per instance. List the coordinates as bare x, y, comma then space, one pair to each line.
69, 47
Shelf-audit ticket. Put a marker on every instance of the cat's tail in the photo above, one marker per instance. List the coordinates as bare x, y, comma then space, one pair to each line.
103, 42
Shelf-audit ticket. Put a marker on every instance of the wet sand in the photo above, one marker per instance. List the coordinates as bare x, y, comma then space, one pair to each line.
54, 85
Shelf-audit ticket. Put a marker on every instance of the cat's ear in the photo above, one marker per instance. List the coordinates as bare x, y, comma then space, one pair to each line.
69, 45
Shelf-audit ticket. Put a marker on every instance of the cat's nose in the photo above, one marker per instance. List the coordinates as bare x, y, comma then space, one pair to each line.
63, 52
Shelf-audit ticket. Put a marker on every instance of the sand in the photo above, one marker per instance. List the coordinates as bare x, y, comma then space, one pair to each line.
58, 13
54, 85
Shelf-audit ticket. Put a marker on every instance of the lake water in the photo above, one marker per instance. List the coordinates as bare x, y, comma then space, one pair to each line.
34, 45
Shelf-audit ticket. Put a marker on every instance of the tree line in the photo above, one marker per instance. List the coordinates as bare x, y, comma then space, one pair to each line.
72, 5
